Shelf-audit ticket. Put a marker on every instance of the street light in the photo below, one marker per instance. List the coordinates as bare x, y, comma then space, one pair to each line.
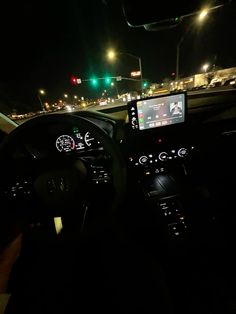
201, 16
205, 67
41, 92
75, 97
111, 55
66, 95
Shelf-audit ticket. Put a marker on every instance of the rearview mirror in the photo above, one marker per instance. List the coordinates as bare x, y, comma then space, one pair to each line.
155, 15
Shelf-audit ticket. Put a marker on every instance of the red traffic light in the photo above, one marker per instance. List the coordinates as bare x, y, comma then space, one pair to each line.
73, 80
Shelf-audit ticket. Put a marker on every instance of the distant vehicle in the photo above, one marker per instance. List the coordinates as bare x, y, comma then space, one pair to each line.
102, 102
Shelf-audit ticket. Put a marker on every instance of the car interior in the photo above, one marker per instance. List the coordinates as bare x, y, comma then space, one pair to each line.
127, 209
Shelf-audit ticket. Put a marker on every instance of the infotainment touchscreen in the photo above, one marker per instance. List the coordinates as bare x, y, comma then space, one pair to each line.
157, 111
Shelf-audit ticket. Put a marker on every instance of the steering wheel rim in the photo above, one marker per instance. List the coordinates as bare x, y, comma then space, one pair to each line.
118, 167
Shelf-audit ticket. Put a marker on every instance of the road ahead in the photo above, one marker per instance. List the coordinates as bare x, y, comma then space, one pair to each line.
196, 99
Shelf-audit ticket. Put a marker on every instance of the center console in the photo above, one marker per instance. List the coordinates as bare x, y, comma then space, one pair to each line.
150, 121
157, 154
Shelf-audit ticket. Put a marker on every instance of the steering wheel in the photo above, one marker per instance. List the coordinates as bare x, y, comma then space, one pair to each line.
60, 183
45, 186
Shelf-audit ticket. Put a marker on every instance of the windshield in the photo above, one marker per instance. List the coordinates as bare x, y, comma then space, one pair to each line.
68, 56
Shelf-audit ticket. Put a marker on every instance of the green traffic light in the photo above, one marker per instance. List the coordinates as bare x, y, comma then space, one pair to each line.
94, 82
108, 80
145, 84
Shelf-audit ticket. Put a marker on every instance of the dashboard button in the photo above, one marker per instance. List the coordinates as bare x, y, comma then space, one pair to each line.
143, 160
182, 152
163, 156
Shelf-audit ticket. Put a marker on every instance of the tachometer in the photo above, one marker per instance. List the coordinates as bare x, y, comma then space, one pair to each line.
65, 143
88, 138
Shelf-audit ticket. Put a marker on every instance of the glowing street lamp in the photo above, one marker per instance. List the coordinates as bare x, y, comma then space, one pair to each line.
202, 15
66, 95
200, 18
111, 54
75, 97
205, 67
41, 92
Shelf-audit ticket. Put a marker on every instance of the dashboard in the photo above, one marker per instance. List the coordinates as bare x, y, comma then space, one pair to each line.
76, 141
65, 140
163, 153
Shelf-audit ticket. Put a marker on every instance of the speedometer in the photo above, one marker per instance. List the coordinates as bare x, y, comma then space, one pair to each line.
65, 143
88, 138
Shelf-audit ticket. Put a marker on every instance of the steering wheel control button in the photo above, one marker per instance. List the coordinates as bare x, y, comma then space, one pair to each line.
100, 176
19, 189
163, 156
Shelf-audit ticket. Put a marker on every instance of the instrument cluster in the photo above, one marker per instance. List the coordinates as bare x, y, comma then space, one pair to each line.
77, 141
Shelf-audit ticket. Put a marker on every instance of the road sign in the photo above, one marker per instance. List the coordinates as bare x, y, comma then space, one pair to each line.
79, 81
135, 73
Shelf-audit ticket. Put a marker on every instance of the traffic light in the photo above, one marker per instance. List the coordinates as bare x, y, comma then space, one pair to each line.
145, 84
108, 80
73, 80
94, 82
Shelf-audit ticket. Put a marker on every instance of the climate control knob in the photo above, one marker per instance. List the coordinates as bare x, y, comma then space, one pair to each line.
143, 160
182, 152
163, 156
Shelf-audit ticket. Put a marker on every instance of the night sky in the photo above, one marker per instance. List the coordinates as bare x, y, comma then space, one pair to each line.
44, 43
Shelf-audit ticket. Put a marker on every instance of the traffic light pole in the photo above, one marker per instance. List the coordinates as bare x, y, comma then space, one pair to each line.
130, 79
118, 78
140, 66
